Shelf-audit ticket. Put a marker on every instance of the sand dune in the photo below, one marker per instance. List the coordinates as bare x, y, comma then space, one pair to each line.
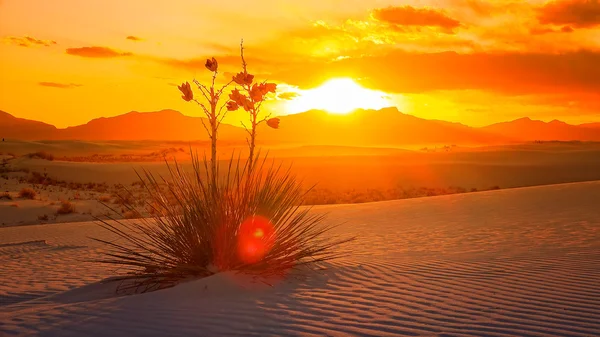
519, 262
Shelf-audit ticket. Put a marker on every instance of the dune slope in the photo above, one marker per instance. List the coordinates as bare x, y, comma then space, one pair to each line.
520, 262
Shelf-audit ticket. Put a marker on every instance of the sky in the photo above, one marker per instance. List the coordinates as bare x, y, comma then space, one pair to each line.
476, 62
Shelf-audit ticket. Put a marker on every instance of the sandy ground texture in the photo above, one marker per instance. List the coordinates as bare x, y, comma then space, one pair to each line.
340, 175
516, 262
330, 167
44, 207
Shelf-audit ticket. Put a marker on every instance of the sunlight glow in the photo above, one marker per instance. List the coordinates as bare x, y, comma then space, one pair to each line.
339, 96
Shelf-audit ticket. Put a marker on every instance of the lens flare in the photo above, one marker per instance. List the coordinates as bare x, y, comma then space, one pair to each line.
255, 239
259, 233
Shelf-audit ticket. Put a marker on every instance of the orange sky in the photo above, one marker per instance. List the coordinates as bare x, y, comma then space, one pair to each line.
477, 62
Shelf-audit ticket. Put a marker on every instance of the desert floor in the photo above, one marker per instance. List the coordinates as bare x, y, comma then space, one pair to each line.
514, 262
96, 172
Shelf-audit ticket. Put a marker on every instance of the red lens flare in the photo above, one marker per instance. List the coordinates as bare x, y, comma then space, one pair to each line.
255, 239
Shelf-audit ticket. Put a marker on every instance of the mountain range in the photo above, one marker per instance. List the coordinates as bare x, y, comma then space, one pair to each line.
385, 127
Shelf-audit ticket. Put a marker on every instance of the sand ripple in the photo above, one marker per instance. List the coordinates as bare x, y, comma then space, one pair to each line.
522, 262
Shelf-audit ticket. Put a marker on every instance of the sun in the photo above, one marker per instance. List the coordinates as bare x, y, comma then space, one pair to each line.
338, 96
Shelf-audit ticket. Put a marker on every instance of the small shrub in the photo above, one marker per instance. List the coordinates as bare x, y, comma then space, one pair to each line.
66, 207
5, 195
41, 155
75, 186
123, 197
43, 217
101, 188
27, 193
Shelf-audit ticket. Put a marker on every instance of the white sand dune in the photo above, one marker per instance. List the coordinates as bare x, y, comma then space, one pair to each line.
520, 262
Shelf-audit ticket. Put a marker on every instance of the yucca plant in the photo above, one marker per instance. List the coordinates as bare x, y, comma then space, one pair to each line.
210, 107
250, 98
253, 224
245, 216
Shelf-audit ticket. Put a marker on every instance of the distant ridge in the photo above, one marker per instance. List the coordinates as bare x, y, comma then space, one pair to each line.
526, 129
20, 128
157, 125
384, 127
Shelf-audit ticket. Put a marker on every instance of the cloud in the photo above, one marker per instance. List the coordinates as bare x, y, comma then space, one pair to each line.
488, 8
548, 30
411, 16
508, 73
578, 13
495, 54
28, 41
97, 52
59, 85
133, 38
388, 68
567, 29
287, 95
510, 27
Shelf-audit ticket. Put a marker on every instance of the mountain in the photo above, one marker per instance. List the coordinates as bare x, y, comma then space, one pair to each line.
383, 127
158, 125
526, 129
590, 125
13, 127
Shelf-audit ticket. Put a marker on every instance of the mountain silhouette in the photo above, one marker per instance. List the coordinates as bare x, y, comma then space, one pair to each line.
526, 129
20, 128
384, 127
158, 125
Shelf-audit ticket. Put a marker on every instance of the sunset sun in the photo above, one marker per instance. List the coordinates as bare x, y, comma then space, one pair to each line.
338, 96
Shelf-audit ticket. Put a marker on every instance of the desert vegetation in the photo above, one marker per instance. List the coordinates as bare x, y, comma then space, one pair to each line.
66, 207
27, 193
41, 155
247, 220
171, 153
